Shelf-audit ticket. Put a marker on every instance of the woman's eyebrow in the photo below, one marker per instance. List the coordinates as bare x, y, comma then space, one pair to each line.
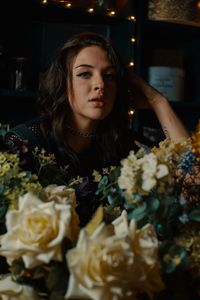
83, 65
90, 66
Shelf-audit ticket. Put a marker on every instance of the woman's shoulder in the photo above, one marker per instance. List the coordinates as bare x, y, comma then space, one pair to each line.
28, 133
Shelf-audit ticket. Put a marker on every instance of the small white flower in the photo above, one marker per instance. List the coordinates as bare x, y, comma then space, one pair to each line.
148, 184
162, 171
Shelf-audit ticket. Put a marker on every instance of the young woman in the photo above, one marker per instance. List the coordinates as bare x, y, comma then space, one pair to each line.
83, 103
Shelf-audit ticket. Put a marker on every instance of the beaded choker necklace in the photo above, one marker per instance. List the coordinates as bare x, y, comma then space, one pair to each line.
79, 133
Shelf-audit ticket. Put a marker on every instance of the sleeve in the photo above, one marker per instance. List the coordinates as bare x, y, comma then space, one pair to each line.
20, 136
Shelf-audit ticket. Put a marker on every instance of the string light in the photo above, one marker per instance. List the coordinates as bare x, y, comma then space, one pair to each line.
90, 10
131, 112
68, 5
132, 18
131, 64
111, 13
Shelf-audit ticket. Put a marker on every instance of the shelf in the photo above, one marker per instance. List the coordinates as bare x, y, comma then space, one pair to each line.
172, 22
30, 95
185, 30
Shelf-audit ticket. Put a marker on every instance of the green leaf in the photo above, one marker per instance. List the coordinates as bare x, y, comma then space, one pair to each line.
195, 215
3, 210
138, 213
114, 174
1, 188
153, 204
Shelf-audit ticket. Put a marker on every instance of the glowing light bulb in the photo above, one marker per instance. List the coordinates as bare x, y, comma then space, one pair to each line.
111, 13
44, 2
133, 40
131, 64
131, 112
68, 5
132, 18
90, 10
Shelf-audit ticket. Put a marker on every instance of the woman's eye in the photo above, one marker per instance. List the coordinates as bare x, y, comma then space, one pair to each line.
84, 74
110, 76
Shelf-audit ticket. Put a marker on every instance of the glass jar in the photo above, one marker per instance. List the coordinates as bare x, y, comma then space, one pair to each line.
19, 76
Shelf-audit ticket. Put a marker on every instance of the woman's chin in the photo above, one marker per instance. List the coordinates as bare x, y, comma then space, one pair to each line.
99, 115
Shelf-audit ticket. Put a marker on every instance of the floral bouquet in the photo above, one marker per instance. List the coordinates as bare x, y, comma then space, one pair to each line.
142, 242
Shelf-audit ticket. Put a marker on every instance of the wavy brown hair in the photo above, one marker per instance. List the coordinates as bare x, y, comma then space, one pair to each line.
53, 103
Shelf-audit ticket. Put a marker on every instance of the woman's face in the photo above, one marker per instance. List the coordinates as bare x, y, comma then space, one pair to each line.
93, 89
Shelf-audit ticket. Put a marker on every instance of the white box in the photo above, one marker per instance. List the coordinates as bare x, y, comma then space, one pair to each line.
169, 81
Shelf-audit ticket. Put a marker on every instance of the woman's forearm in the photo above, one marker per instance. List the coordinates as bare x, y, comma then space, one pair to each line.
171, 124
146, 96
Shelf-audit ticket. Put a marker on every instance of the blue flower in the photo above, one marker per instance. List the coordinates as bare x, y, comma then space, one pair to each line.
184, 218
188, 160
182, 200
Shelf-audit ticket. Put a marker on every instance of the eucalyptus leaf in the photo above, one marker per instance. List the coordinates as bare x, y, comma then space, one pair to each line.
103, 182
153, 203
195, 215
138, 213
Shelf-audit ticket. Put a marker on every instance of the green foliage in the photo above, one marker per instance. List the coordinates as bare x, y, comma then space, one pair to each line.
151, 189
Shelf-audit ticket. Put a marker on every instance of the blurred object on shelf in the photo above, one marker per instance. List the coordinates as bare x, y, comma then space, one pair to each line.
19, 80
168, 81
179, 10
167, 73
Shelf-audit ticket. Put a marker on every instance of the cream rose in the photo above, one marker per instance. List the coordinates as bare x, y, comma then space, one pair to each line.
63, 195
36, 230
9, 290
109, 265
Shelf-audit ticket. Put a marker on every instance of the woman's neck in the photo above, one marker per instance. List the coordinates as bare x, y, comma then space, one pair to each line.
79, 135
78, 143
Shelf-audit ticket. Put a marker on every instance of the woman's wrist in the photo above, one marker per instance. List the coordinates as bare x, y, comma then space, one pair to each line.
157, 101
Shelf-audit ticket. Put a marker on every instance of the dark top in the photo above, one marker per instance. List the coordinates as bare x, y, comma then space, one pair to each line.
31, 135
82, 164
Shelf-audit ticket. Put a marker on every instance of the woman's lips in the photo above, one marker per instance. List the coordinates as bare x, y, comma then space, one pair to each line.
99, 102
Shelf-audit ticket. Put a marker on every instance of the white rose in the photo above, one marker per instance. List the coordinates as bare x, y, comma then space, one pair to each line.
107, 264
9, 290
63, 195
36, 230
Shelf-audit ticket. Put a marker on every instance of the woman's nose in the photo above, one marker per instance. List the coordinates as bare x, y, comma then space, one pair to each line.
99, 83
